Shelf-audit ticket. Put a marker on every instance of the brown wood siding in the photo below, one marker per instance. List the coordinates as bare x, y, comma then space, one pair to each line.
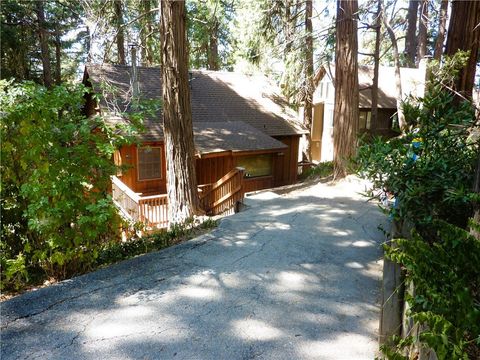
285, 166
259, 183
128, 156
211, 169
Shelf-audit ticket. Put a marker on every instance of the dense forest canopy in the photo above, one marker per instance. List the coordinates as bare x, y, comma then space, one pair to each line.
59, 37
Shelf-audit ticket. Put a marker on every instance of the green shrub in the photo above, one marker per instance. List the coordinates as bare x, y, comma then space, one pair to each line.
153, 241
56, 211
446, 276
430, 168
320, 170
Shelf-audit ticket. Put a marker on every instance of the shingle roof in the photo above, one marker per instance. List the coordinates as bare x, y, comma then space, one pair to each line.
216, 97
412, 84
235, 136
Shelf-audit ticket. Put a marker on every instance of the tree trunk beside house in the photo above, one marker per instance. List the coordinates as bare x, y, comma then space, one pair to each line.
411, 36
398, 81
120, 38
346, 87
442, 27
44, 48
308, 113
464, 34
376, 65
422, 32
177, 116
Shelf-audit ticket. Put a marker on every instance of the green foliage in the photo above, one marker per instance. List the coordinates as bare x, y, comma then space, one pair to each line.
430, 168
56, 167
430, 171
209, 33
447, 288
321, 170
115, 251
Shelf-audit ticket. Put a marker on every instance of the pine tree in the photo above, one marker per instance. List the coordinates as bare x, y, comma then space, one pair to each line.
177, 115
346, 86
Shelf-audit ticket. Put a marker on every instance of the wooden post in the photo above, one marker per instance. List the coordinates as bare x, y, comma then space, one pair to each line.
391, 310
239, 204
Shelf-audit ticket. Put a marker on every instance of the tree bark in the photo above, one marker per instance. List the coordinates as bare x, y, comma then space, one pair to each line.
146, 34
177, 115
308, 112
58, 58
422, 32
442, 27
464, 34
376, 66
346, 87
120, 39
411, 38
398, 81
212, 52
44, 49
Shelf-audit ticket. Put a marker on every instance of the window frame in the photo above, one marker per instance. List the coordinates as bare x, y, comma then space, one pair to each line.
269, 155
138, 162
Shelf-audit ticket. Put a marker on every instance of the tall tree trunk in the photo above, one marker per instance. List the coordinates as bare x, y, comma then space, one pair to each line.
120, 39
464, 34
376, 66
288, 30
177, 115
442, 27
88, 44
308, 113
398, 80
58, 57
422, 32
411, 37
146, 34
44, 49
212, 52
346, 87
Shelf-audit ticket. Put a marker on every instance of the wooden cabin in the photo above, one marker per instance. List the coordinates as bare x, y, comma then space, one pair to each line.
324, 99
238, 121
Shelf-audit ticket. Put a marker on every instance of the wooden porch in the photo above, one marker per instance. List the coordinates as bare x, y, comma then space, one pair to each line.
216, 198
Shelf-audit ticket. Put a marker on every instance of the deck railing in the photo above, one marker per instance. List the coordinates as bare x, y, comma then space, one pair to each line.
217, 198
151, 210
154, 210
224, 194
126, 199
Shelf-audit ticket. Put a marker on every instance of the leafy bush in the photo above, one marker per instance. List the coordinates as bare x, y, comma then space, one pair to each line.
154, 241
321, 170
430, 168
56, 167
446, 276
430, 171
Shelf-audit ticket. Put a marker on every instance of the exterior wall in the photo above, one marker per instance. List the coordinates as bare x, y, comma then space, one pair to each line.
327, 136
317, 131
128, 157
211, 168
285, 167
384, 128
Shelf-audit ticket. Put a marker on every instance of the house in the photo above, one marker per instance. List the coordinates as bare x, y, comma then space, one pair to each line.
238, 121
324, 99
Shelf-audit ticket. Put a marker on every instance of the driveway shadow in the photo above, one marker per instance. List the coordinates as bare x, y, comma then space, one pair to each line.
292, 277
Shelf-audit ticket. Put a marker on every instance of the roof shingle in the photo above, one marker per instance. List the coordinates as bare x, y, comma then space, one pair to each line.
216, 97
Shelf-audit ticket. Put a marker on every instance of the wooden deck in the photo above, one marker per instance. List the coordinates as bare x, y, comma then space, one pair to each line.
219, 197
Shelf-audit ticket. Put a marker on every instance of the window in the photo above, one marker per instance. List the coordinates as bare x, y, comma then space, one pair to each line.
364, 119
149, 161
257, 165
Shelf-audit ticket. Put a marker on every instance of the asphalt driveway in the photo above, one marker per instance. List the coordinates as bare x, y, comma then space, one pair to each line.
294, 276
